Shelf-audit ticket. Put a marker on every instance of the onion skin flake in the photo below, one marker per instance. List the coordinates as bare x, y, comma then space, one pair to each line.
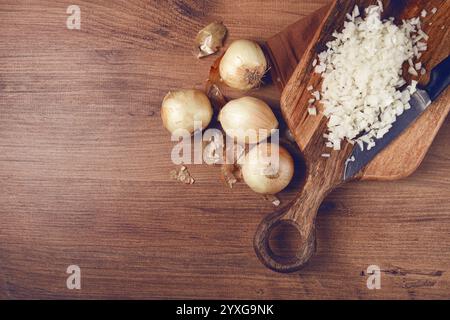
210, 39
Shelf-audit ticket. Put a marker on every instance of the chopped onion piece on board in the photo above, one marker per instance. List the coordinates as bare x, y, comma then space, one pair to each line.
363, 89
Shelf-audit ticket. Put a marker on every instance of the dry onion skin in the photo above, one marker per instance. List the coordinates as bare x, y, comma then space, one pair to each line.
258, 173
210, 39
243, 65
182, 175
181, 109
243, 119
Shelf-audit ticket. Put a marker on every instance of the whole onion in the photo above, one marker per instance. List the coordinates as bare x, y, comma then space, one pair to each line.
243, 65
260, 172
248, 119
181, 109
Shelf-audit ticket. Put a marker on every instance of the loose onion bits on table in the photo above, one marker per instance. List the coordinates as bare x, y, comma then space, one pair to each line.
363, 89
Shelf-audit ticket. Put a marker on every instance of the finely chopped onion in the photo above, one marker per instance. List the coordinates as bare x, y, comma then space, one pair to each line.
363, 90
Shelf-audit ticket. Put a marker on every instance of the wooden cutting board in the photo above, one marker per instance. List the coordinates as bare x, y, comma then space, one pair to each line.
292, 52
403, 156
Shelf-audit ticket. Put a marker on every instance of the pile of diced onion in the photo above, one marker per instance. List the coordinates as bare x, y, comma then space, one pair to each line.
363, 89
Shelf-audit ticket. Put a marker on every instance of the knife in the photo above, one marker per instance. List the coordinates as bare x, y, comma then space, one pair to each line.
420, 101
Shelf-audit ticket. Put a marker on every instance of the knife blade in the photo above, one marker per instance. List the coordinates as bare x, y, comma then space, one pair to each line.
420, 101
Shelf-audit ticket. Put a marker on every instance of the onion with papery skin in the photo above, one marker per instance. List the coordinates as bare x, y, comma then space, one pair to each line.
180, 109
243, 65
261, 175
243, 119
210, 39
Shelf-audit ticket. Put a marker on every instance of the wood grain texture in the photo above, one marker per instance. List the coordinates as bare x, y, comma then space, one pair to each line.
85, 162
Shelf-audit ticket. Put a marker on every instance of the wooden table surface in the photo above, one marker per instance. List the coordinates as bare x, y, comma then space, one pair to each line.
85, 163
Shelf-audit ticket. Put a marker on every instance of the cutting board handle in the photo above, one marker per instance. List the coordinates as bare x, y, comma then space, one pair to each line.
302, 215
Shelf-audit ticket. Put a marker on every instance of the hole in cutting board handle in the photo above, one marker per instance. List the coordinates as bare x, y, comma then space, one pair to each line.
272, 236
284, 241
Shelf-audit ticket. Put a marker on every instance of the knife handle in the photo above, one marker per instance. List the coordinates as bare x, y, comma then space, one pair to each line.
439, 79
